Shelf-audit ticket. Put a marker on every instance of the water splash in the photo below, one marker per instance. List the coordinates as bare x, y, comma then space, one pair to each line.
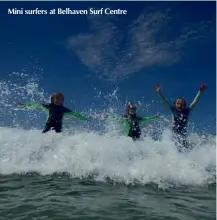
102, 153
103, 156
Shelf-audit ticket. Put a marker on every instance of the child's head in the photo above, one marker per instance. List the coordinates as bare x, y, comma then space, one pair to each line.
131, 108
57, 98
180, 104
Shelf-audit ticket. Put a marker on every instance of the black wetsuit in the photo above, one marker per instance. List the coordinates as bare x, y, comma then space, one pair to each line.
55, 117
134, 127
180, 122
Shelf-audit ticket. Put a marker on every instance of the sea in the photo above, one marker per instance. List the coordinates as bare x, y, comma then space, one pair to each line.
98, 174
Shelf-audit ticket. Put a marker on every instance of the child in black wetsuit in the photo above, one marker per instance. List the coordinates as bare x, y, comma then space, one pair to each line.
180, 113
55, 110
132, 121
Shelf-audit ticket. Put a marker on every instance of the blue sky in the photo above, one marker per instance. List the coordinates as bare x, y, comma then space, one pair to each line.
171, 43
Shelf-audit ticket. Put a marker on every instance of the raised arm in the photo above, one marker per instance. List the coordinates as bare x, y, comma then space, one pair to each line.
166, 103
197, 97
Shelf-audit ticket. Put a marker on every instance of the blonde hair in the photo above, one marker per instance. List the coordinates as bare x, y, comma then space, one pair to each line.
180, 98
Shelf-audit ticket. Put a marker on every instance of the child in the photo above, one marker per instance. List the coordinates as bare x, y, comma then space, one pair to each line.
132, 121
180, 113
55, 110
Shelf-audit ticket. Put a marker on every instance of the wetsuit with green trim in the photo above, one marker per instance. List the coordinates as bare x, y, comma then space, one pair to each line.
132, 124
55, 115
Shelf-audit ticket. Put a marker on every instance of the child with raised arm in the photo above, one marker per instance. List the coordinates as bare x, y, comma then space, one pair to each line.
132, 121
180, 113
55, 110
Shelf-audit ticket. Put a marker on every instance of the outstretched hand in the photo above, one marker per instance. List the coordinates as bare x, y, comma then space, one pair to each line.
157, 87
105, 115
20, 104
203, 87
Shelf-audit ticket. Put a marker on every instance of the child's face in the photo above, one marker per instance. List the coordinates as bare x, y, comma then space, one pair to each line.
132, 110
180, 104
57, 100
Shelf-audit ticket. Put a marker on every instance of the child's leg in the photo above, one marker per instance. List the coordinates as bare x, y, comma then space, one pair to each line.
47, 127
181, 142
186, 145
135, 135
58, 127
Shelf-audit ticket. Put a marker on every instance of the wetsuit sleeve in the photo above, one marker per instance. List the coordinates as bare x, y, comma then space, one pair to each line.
116, 117
36, 105
121, 119
68, 112
149, 118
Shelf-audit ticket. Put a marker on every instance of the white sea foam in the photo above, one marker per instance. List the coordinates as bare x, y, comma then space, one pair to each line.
85, 152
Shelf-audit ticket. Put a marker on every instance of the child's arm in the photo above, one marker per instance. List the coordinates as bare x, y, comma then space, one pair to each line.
120, 119
150, 117
197, 97
34, 105
166, 103
75, 114
116, 117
